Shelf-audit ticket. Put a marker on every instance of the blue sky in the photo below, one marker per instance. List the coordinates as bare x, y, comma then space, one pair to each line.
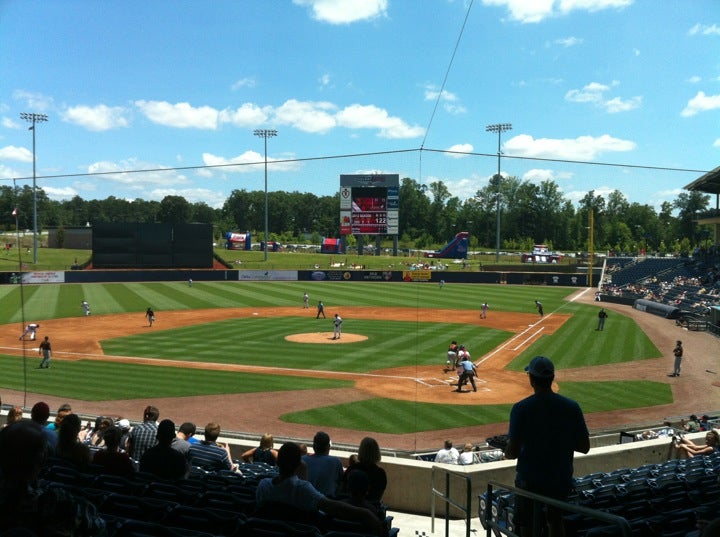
140, 85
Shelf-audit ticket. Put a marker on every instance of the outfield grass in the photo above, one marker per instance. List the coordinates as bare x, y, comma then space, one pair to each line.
576, 344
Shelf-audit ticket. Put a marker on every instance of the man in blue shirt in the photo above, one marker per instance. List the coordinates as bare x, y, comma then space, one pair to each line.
545, 431
324, 471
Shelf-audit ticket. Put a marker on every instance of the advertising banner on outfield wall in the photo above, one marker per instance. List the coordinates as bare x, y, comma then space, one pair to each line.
50, 276
268, 275
350, 275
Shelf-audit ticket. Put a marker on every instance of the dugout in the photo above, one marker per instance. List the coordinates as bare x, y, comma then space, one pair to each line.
657, 308
140, 245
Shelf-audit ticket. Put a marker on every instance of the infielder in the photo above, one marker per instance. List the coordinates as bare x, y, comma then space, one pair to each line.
85, 307
337, 323
30, 329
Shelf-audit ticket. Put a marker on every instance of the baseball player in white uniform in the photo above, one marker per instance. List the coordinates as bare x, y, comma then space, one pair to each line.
85, 307
32, 330
337, 323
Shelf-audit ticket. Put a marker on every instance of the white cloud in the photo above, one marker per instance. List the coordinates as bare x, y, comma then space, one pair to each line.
64, 193
36, 102
307, 116
694, 79
702, 29
368, 117
325, 80
19, 154
458, 150
617, 104
448, 99
117, 172
10, 123
344, 11
96, 118
179, 115
539, 175
530, 11
8, 173
246, 115
594, 93
701, 103
716, 143
569, 41
246, 82
249, 161
580, 148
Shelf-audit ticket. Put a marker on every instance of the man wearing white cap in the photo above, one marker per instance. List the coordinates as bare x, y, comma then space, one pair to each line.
546, 429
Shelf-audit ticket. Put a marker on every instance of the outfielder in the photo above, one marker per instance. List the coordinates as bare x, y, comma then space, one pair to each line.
85, 307
337, 323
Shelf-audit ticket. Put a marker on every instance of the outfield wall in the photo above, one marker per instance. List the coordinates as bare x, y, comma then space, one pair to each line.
317, 275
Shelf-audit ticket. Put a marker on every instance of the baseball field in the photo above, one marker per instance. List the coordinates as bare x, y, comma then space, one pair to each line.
249, 356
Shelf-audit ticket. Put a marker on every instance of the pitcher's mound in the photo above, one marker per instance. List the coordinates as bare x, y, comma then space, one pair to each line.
324, 337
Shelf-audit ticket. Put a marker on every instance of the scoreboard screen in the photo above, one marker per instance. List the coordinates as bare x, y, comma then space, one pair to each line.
369, 204
369, 211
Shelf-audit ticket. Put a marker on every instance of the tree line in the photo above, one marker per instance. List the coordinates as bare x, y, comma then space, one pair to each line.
530, 213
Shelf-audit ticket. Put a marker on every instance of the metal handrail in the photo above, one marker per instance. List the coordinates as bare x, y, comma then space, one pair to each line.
448, 501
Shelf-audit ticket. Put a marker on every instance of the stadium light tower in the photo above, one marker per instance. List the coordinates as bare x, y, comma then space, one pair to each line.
34, 118
499, 128
265, 134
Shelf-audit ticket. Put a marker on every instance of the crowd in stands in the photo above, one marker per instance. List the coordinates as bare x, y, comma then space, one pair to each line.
690, 285
292, 484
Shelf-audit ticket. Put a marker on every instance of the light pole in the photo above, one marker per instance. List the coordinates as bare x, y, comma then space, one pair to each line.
499, 128
34, 118
265, 134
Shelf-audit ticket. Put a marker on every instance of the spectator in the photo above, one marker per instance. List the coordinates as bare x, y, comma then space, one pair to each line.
69, 446
358, 487
181, 442
210, 454
368, 458
39, 414
288, 489
448, 454
705, 423
62, 411
546, 429
187, 431
690, 449
324, 471
468, 455
692, 425
110, 458
144, 436
14, 415
27, 505
263, 453
94, 437
161, 459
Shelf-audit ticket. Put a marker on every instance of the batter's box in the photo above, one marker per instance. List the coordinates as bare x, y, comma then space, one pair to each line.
432, 382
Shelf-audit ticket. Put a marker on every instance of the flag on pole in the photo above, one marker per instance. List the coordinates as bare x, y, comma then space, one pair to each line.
15, 212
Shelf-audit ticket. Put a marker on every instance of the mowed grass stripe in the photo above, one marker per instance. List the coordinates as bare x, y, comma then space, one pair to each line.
142, 381
406, 417
578, 344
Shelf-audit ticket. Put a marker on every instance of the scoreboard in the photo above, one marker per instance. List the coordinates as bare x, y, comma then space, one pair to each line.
369, 204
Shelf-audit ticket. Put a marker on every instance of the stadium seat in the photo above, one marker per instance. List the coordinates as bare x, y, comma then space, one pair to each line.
262, 527
214, 521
